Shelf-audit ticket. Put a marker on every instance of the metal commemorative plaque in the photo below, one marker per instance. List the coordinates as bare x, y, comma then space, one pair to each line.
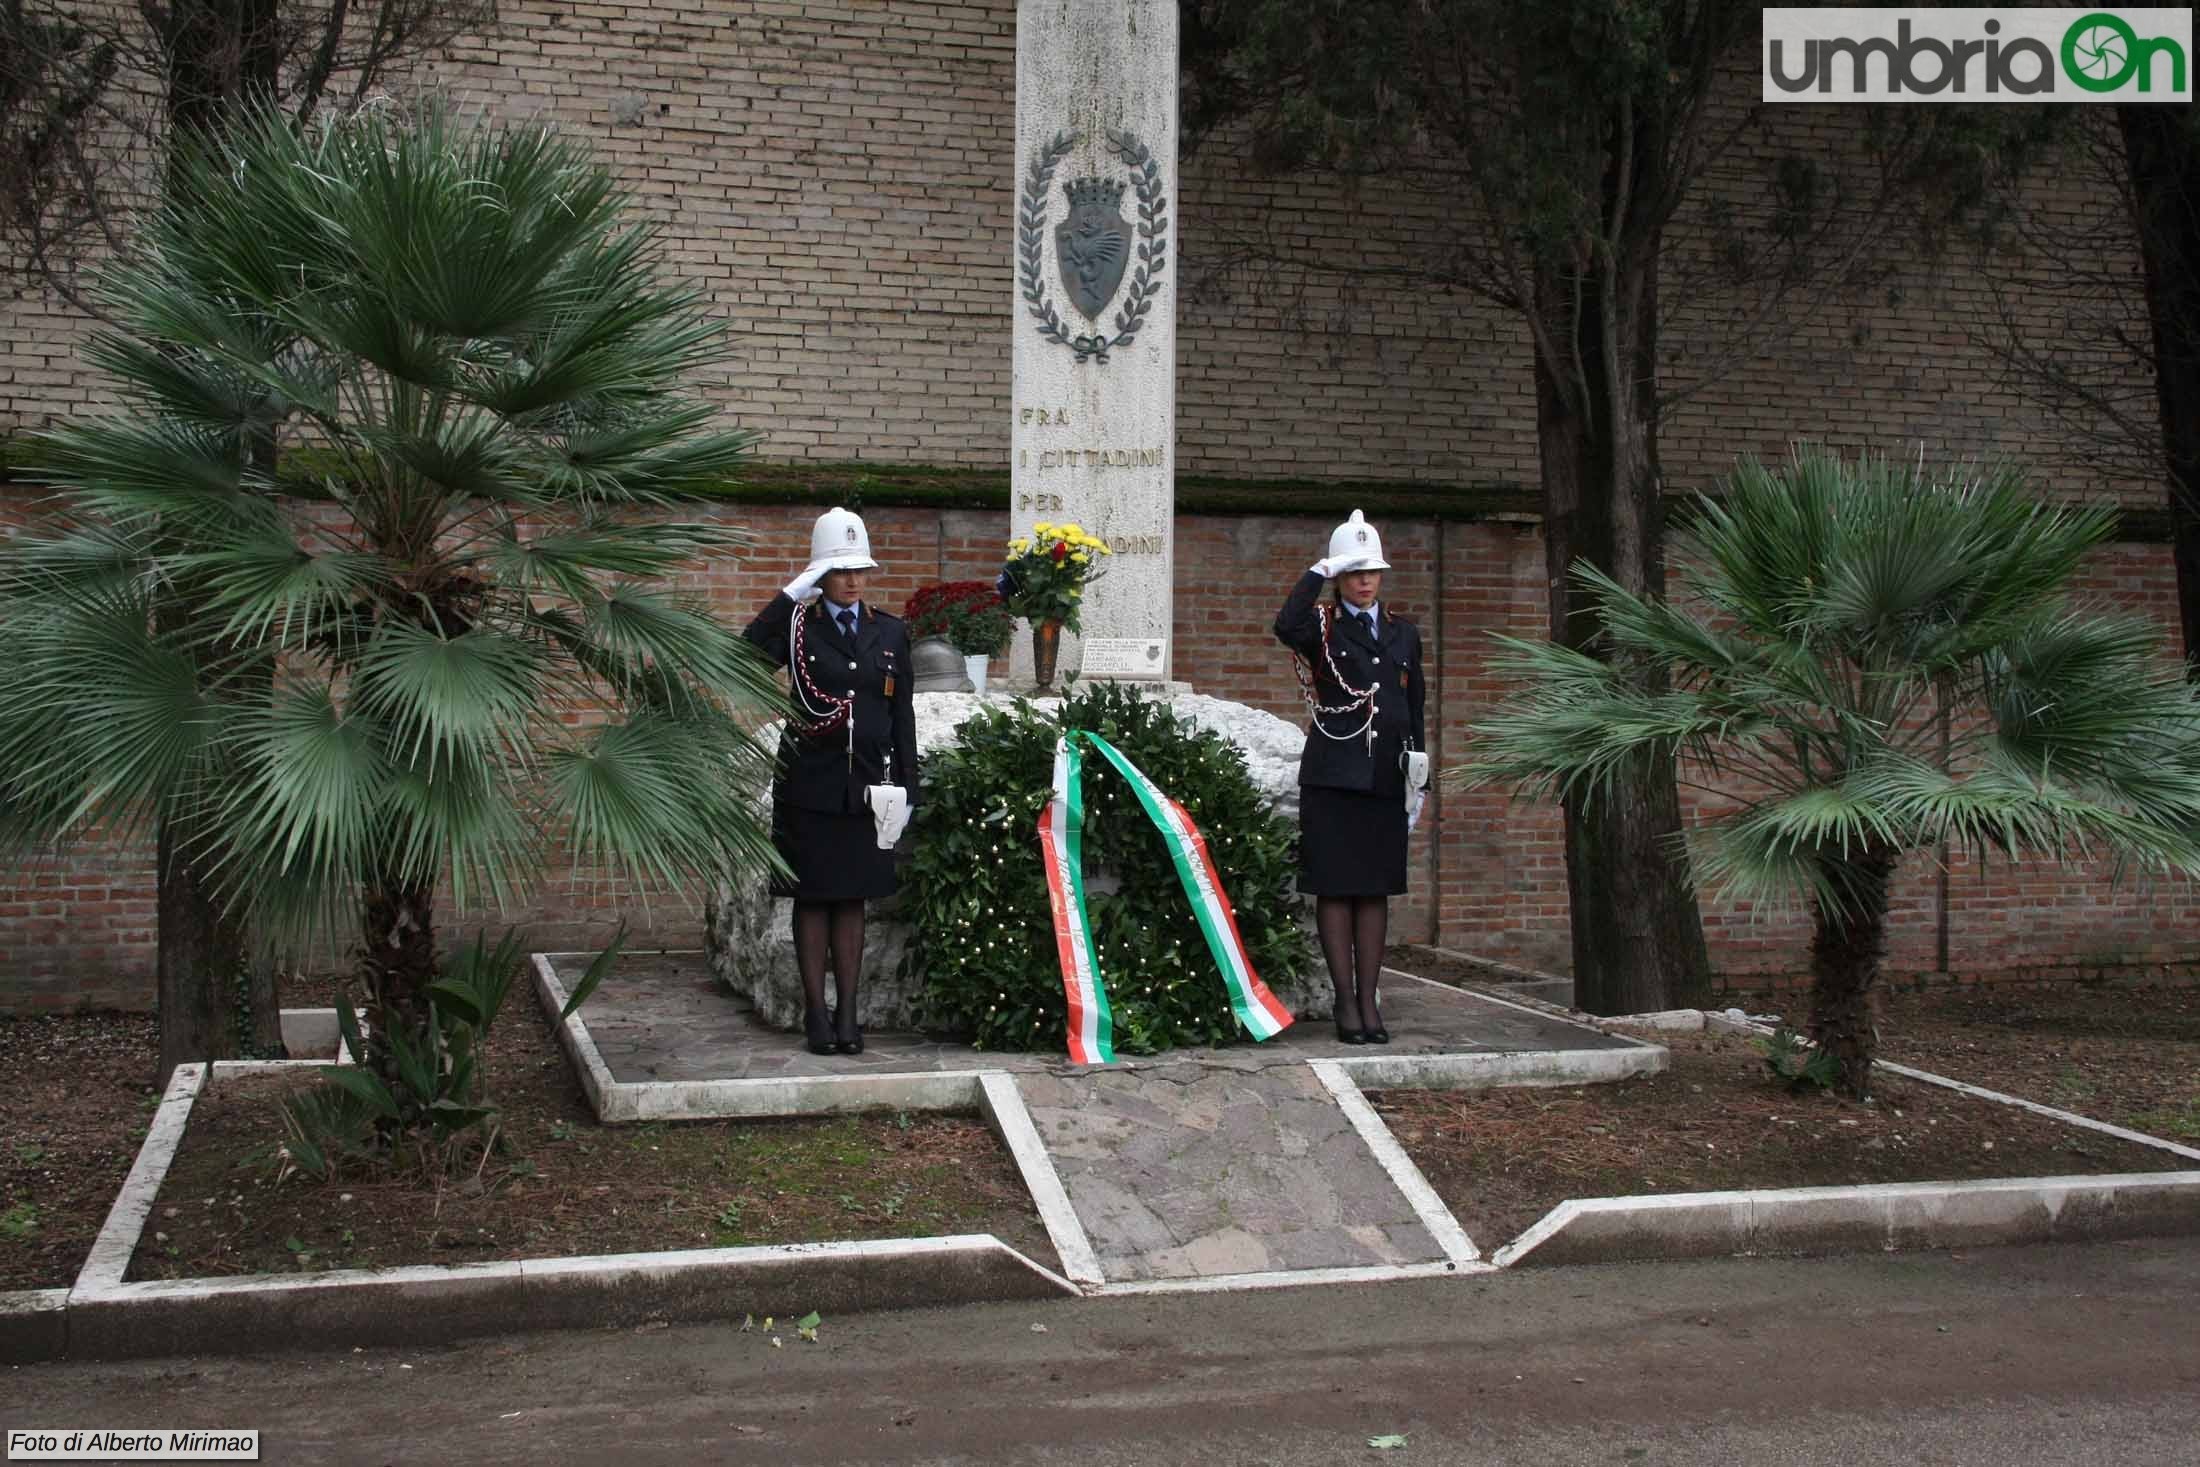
1123, 657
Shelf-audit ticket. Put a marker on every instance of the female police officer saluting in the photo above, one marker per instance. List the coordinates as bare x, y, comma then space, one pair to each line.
1360, 669
850, 748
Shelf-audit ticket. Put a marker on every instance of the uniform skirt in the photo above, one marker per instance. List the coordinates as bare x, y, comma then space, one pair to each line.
1351, 843
835, 857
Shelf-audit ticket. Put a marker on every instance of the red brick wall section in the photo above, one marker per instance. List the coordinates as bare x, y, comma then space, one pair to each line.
1487, 871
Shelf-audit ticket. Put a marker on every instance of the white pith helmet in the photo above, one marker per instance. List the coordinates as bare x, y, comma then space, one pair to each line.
840, 542
1354, 546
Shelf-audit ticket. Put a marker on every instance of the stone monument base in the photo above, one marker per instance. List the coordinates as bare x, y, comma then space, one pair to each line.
749, 934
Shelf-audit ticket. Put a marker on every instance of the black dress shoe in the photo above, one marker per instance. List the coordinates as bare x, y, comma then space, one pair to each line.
850, 1046
850, 1039
817, 1031
1376, 1033
1344, 1035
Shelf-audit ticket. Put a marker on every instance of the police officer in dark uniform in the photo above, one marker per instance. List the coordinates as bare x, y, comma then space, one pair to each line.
1363, 770
850, 748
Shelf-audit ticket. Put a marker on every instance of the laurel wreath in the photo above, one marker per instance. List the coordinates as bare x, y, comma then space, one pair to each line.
1153, 247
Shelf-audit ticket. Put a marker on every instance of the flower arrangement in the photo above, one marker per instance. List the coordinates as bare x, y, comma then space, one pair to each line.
1047, 571
969, 614
975, 892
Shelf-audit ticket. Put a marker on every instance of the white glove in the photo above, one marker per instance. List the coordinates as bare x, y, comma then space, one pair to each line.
1324, 568
804, 586
1416, 772
889, 812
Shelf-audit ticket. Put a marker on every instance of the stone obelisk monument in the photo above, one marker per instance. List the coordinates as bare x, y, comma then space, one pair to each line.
1093, 411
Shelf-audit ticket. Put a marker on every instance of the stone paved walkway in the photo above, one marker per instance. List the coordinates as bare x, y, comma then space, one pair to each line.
1197, 1164
1196, 1170
660, 1016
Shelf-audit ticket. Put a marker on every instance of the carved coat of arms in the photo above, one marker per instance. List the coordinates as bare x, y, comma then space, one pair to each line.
1095, 247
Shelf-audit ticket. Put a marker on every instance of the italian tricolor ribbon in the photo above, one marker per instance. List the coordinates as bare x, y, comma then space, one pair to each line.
1061, 836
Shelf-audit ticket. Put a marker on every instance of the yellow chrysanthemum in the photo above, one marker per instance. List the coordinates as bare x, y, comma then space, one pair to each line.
1071, 532
1018, 546
1041, 529
1079, 556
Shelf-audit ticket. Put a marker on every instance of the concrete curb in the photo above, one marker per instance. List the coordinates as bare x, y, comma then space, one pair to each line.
2071, 1118
595, 1075
34, 1325
1011, 1121
1883, 1217
104, 1318
1506, 972
439, 1304
1487, 1071
1404, 1175
1525, 1002
109, 1259
1298, 1278
618, 1101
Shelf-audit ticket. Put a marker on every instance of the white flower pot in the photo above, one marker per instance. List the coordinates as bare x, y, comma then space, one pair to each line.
976, 668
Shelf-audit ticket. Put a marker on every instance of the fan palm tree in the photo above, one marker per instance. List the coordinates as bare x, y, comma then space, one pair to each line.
1869, 659
443, 646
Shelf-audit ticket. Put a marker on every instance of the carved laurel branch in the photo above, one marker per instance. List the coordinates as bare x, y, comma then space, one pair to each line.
1153, 248
1031, 236
1153, 234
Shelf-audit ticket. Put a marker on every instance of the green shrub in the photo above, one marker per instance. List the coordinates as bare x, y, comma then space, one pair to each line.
431, 1107
1797, 1063
976, 891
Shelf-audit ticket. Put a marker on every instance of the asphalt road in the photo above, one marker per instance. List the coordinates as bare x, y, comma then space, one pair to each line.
2007, 1357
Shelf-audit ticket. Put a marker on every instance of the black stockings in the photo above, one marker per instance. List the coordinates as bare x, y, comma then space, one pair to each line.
1352, 930
835, 930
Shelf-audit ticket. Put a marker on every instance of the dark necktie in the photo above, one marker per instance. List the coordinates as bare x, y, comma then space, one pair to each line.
1367, 620
848, 623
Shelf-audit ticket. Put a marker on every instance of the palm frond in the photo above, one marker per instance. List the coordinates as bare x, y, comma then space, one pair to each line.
630, 800
1833, 609
101, 721
441, 700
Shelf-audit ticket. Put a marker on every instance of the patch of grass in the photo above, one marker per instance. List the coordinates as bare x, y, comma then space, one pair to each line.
2073, 1086
19, 1222
2176, 1123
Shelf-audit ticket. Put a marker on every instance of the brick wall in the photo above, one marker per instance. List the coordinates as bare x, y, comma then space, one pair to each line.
837, 179
1486, 874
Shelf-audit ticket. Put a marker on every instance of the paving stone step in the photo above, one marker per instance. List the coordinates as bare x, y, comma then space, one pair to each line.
1198, 1170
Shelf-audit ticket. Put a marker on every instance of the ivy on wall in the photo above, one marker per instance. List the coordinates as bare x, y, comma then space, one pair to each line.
976, 894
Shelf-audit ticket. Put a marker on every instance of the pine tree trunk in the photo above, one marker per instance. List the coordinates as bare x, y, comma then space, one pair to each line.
2162, 160
1845, 952
1637, 935
215, 1001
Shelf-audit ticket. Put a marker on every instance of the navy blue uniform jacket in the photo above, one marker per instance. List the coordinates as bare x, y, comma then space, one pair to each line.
1392, 664
823, 773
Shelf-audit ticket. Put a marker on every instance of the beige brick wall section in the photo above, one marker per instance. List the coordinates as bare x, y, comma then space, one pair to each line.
837, 179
